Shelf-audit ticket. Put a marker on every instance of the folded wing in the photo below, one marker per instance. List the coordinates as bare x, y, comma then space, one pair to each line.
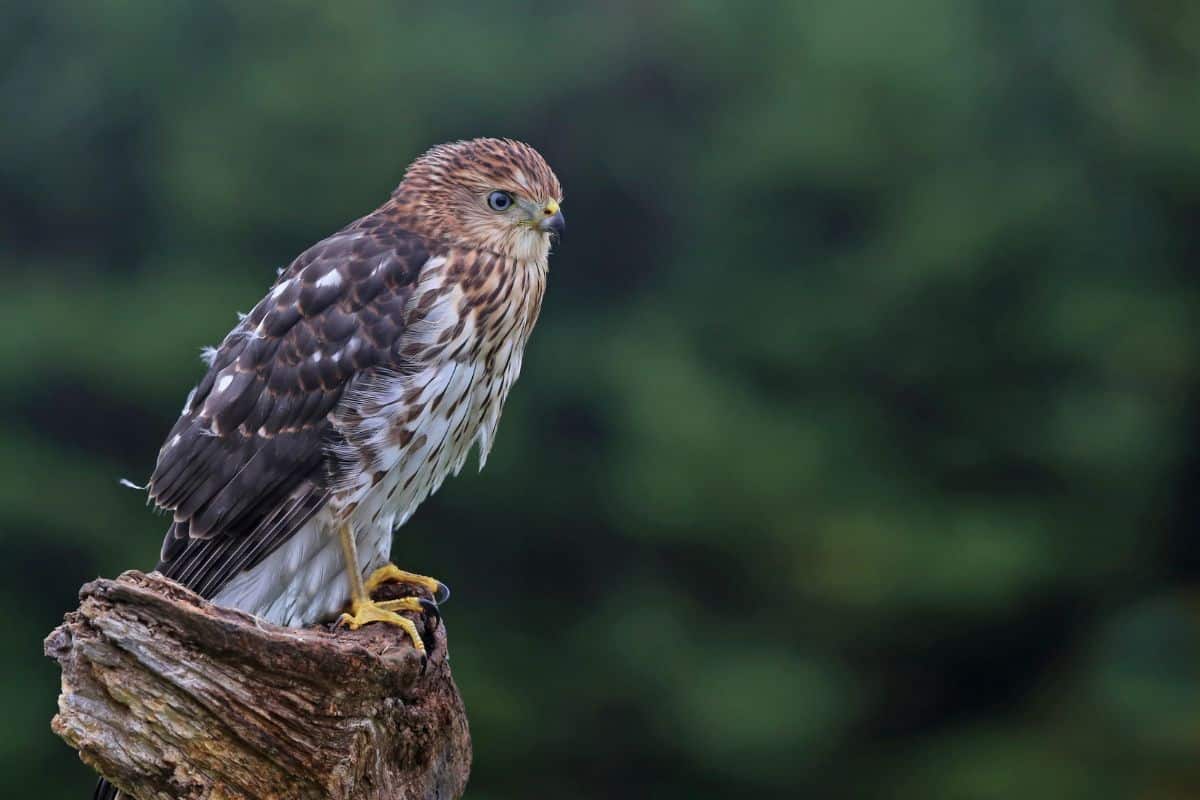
249, 460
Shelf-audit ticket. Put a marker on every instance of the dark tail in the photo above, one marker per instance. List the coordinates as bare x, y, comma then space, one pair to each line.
106, 791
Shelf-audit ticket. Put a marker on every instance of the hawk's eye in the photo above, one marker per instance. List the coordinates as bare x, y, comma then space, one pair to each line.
499, 201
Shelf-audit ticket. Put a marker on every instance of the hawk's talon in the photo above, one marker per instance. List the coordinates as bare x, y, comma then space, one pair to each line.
390, 572
417, 604
431, 609
366, 612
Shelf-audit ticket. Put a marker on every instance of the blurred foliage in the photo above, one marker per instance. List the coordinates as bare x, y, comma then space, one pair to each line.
853, 452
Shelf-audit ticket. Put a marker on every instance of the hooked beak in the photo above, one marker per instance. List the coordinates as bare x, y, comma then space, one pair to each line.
554, 222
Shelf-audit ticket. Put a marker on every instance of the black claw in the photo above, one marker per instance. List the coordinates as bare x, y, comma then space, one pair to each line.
431, 609
442, 594
424, 662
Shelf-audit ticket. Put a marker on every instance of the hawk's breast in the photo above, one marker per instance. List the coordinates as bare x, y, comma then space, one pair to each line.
407, 429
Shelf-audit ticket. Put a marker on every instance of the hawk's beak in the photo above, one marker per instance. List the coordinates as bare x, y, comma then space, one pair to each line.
554, 221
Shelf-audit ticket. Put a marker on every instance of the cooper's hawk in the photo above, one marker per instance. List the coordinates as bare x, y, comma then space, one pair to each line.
362, 379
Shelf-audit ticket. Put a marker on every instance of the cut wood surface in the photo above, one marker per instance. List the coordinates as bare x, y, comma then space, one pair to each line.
169, 696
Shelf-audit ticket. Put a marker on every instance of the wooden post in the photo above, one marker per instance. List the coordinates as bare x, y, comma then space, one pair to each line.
169, 696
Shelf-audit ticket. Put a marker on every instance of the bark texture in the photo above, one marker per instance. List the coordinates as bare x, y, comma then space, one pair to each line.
171, 697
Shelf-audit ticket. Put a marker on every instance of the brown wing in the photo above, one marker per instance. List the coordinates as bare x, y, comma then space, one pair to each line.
249, 460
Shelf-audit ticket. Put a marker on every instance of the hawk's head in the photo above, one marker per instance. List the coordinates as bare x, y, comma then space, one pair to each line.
485, 194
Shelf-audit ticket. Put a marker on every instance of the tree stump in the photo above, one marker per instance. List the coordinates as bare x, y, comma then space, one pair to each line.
169, 696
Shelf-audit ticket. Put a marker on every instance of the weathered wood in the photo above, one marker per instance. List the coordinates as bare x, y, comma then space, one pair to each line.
171, 697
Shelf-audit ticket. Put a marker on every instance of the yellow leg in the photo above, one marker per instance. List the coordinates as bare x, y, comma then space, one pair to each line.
364, 610
390, 572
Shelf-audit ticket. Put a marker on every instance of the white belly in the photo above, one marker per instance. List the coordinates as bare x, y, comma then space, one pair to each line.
304, 580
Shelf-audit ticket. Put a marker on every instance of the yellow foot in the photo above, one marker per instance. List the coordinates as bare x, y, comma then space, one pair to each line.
364, 613
390, 572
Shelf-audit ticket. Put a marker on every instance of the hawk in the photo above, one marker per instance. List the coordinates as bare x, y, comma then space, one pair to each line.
362, 379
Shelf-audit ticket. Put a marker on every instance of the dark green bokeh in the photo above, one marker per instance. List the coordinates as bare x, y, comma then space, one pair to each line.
851, 454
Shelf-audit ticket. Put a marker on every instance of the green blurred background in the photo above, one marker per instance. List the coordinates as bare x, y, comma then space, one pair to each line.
853, 452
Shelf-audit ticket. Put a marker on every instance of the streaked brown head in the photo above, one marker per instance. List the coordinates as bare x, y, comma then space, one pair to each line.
488, 194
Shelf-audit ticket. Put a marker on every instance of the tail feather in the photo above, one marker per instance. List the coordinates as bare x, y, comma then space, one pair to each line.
106, 791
